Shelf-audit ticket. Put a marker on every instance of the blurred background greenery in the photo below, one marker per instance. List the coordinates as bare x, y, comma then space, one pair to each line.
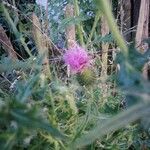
43, 107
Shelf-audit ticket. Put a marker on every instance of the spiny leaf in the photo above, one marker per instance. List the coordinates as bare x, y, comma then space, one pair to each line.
35, 123
72, 20
113, 124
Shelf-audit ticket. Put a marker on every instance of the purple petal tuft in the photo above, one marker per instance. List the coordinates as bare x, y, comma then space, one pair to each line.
77, 58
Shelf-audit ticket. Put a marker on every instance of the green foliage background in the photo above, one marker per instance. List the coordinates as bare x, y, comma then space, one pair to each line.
59, 113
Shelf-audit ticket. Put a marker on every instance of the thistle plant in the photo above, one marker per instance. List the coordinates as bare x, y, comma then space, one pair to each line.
36, 113
79, 63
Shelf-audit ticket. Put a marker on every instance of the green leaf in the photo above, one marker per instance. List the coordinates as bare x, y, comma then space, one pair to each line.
113, 124
35, 123
72, 21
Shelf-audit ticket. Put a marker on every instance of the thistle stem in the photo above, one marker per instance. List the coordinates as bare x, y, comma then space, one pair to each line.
97, 17
79, 26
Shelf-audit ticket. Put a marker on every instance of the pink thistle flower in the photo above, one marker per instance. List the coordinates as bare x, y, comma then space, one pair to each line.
77, 59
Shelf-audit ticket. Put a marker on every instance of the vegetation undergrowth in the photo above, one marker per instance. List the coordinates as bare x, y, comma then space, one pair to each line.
54, 94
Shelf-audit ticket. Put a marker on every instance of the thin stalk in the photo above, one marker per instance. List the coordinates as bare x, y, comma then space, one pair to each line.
79, 26
97, 17
106, 9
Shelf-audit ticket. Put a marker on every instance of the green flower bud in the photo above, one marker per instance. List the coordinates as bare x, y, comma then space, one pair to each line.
86, 77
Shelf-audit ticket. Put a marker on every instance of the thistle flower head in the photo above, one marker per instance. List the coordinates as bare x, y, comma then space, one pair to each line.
77, 58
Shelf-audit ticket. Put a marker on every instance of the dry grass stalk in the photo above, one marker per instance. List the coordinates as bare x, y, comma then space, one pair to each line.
142, 32
125, 18
105, 86
105, 47
4, 40
70, 30
42, 44
142, 27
